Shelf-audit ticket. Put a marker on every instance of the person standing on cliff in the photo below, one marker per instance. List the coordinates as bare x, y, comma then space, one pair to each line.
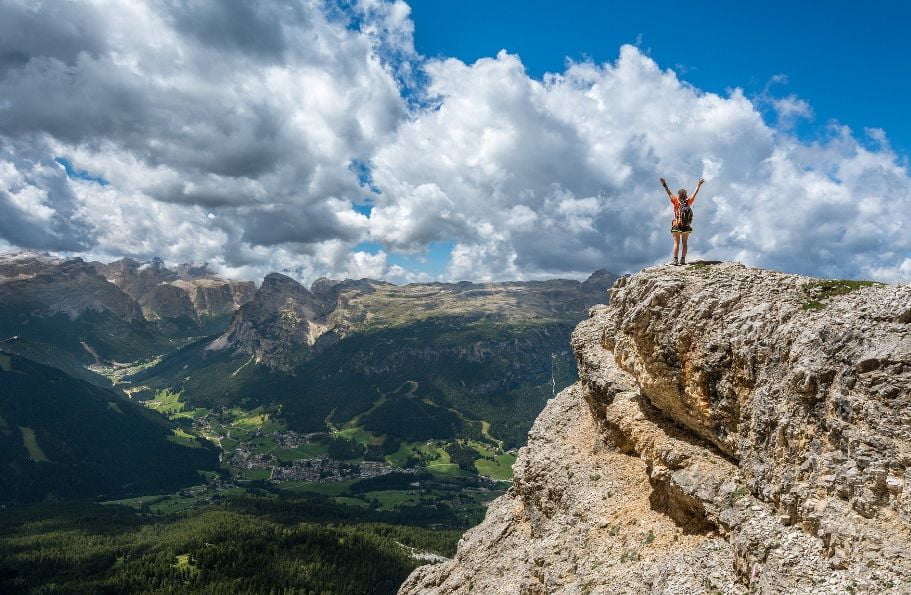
681, 227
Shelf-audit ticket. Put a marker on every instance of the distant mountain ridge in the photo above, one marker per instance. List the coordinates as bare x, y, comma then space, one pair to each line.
189, 292
67, 305
120, 311
483, 357
46, 286
285, 320
490, 352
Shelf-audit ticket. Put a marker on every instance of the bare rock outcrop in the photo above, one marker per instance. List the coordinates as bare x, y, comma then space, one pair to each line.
278, 326
190, 292
212, 296
38, 284
734, 430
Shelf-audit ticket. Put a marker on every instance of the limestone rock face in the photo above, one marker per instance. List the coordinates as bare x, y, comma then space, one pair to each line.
38, 284
25, 264
279, 325
190, 292
167, 301
733, 431
216, 297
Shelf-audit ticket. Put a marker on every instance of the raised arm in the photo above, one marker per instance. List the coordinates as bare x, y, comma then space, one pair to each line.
666, 189
698, 186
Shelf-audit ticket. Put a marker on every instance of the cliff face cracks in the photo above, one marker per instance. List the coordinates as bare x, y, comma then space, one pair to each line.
728, 434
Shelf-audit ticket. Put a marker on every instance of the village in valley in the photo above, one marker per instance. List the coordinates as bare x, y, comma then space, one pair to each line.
259, 452
253, 457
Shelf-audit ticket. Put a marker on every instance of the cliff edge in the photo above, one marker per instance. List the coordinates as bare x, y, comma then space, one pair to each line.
734, 430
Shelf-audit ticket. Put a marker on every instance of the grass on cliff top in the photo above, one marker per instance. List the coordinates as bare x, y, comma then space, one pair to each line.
824, 289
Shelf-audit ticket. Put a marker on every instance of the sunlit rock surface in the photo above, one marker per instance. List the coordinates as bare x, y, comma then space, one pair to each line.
734, 430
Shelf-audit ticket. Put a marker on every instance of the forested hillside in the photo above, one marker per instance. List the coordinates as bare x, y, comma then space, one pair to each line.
61, 437
244, 544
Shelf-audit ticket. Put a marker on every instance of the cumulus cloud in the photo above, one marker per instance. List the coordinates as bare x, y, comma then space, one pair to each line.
38, 204
251, 111
252, 134
559, 176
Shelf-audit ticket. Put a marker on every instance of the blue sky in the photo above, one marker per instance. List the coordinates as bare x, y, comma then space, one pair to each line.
850, 60
77, 174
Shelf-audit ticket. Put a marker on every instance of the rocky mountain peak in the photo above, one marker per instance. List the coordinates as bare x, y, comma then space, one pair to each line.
120, 265
279, 325
278, 291
25, 263
194, 271
279, 282
599, 282
323, 286
734, 430
600, 279
44, 285
189, 292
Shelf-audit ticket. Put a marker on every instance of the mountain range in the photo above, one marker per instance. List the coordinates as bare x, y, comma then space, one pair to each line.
381, 366
117, 312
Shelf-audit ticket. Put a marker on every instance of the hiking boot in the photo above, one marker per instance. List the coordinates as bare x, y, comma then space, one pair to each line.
683, 260
675, 261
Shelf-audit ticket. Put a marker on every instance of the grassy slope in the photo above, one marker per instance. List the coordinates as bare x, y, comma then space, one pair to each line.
91, 441
49, 355
114, 339
498, 372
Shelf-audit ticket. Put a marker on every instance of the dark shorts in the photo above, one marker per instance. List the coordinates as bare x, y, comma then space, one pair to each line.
681, 228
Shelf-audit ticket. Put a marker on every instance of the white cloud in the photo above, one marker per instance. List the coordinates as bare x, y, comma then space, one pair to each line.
418, 216
558, 177
236, 133
364, 264
251, 112
791, 108
27, 198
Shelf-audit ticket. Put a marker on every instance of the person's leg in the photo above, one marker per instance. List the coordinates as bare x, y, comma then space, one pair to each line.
683, 249
676, 245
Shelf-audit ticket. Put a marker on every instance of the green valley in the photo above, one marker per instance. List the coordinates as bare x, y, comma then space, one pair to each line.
183, 432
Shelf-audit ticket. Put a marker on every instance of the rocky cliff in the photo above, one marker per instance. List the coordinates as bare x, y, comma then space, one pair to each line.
278, 326
734, 430
187, 292
38, 284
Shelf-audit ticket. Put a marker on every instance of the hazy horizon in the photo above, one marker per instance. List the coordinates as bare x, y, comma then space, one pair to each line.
303, 281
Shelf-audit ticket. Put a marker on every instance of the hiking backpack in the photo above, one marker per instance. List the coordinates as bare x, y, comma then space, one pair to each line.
685, 215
